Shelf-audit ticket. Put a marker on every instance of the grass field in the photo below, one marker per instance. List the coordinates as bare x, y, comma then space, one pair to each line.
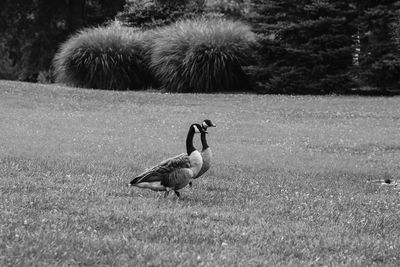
289, 185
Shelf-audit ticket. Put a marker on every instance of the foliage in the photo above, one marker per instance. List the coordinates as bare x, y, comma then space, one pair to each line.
323, 46
202, 55
7, 70
32, 30
379, 54
155, 13
231, 9
110, 57
349, 43
396, 30
305, 47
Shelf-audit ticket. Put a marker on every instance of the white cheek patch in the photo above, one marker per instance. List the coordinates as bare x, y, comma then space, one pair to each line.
196, 130
205, 126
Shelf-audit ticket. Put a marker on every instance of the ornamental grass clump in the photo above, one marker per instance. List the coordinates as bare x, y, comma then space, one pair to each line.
202, 55
112, 58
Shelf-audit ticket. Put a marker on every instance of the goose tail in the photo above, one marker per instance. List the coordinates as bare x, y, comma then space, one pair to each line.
145, 180
143, 177
135, 181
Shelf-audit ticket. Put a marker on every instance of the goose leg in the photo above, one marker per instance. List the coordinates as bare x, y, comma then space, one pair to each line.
190, 184
178, 194
166, 194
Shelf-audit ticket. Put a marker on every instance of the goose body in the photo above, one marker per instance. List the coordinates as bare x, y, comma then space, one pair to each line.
173, 173
206, 154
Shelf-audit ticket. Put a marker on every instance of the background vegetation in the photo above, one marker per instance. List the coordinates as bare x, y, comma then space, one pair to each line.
202, 55
307, 47
31, 32
290, 182
112, 57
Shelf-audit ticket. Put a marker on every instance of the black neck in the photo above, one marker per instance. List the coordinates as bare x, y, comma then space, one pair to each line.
189, 141
204, 141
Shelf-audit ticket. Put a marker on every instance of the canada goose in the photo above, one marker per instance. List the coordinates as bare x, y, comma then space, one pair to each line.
206, 153
173, 173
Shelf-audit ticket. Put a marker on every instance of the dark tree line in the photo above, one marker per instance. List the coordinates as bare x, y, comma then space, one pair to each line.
305, 46
31, 31
311, 46
379, 58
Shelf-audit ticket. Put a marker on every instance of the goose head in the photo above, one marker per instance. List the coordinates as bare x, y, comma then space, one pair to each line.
207, 123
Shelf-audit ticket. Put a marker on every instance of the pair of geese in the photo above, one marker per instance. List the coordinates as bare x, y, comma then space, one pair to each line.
177, 172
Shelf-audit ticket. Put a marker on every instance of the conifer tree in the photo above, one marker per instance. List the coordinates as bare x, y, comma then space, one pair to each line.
307, 47
379, 56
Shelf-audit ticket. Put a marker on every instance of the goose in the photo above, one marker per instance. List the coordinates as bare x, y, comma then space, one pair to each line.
174, 173
206, 153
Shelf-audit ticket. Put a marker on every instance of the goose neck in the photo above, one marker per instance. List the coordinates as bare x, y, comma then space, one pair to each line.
189, 141
204, 141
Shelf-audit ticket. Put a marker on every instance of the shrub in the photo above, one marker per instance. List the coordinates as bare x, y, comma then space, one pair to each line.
110, 57
202, 55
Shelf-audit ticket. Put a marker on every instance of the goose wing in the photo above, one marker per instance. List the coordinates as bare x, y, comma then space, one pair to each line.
162, 170
178, 179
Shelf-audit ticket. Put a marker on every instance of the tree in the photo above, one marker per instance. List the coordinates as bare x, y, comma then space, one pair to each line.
306, 46
30, 31
154, 13
379, 56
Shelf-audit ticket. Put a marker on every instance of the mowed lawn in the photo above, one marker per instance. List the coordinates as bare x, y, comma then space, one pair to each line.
290, 182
